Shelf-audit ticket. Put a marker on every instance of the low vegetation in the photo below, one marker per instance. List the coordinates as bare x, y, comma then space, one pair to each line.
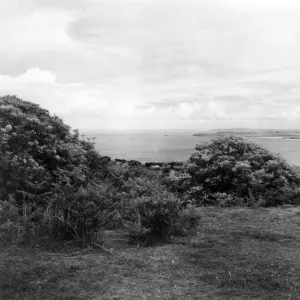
78, 225
237, 254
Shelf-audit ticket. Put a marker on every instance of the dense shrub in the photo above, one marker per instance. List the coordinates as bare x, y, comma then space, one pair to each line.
44, 165
38, 149
230, 170
161, 215
52, 180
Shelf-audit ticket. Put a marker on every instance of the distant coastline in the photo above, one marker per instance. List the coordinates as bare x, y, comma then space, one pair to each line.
259, 133
154, 146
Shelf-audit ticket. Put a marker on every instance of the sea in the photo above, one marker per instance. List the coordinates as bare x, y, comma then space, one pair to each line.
174, 145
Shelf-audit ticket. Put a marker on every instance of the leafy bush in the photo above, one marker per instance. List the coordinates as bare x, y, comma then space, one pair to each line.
45, 166
230, 170
78, 213
161, 215
38, 149
52, 179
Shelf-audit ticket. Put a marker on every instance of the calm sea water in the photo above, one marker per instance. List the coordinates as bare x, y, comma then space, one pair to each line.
148, 146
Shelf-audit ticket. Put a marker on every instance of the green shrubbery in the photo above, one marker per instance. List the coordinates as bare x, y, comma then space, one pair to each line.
45, 167
161, 215
52, 181
231, 171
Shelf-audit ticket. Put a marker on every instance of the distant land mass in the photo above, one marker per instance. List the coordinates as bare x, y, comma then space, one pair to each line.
249, 132
178, 145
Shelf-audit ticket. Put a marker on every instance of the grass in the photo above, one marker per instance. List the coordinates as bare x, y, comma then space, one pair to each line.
238, 253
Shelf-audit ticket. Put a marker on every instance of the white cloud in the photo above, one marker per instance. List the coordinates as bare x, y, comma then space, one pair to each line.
97, 63
284, 76
40, 86
35, 31
255, 5
36, 76
30, 77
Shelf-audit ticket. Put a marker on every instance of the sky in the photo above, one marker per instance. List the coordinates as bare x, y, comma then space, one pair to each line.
155, 64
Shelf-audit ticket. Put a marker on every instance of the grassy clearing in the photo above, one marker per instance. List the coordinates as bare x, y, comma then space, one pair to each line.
238, 253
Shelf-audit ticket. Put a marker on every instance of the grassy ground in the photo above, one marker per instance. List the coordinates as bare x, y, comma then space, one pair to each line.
238, 253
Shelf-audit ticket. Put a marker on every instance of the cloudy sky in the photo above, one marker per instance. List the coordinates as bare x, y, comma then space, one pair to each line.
180, 64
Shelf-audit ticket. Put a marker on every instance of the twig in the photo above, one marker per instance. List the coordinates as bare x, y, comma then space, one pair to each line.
64, 221
103, 248
79, 252
91, 249
55, 254
120, 239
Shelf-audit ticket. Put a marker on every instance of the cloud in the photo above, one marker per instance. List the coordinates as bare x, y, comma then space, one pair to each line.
35, 31
231, 99
142, 63
31, 76
41, 86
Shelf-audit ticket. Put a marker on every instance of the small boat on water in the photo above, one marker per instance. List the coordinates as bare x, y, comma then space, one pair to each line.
168, 134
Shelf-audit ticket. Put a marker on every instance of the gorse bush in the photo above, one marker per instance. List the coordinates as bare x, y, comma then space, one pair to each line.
231, 171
